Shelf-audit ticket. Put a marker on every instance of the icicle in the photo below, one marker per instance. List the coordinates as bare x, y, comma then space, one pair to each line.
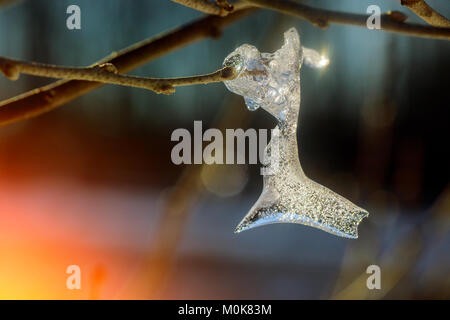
272, 81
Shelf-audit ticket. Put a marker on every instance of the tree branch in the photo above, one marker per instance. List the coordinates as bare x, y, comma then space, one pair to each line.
108, 73
43, 99
46, 98
220, 7
392, 22
323, 17
427, 13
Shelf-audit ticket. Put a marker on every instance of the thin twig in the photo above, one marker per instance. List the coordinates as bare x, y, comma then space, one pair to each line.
108, 73
41, 100
44, 99
392, 21
219, 7
323, 17
427, 13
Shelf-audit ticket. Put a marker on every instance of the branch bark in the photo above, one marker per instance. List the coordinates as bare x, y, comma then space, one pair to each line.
44, 99
219, 7
392, 22
323, 17
108, 73
427, 13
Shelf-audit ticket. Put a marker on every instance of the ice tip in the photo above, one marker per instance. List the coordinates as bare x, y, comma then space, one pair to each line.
291, 33
361, 215
242, 226
291, 40
239, 229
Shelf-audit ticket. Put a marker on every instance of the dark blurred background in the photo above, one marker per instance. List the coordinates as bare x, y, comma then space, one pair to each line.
92, 183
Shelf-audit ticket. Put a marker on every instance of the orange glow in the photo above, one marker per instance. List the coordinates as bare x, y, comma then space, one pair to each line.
41, 235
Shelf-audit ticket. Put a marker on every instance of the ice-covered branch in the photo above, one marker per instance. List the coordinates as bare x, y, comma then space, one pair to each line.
427, 13
56, 94
108, 73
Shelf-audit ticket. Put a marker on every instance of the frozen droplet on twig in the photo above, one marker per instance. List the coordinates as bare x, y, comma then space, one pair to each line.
272, 81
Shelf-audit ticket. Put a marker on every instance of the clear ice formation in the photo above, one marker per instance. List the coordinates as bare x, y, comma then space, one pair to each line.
272, 81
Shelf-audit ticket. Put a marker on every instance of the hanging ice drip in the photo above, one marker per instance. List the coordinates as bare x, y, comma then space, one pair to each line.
272, 81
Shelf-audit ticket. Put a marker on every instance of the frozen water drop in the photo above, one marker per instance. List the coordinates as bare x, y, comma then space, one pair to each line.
251, 104
272, 82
